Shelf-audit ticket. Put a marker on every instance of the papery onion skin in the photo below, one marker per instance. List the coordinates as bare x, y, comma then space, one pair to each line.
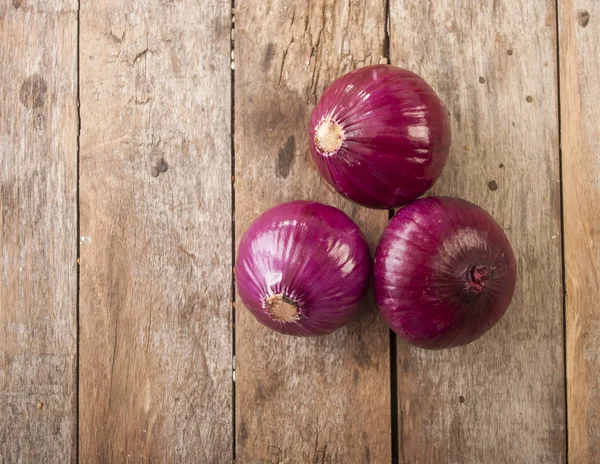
302, 268
444, 272
380, 136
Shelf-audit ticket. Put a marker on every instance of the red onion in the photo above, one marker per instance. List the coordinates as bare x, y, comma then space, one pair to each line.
302, 268
444, 272
380, 136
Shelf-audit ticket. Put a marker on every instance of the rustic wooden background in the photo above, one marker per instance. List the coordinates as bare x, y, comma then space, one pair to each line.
139, 139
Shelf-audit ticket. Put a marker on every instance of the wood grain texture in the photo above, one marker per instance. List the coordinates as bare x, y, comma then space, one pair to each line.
156, 341
500, 399
38, 231
579, 30
324, 399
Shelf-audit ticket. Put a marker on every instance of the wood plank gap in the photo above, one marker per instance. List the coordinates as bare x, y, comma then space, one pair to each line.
394, 397
395, 440
386, 50
233, 293
78, 234
562, 230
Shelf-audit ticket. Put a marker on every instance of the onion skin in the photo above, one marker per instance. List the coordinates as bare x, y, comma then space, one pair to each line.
302, 268
444, 272
380, 136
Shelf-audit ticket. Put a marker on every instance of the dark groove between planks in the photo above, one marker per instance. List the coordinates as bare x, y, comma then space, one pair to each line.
78, 247
394, 384
394, 397
232, 131
562, 231
386, 47
393, 340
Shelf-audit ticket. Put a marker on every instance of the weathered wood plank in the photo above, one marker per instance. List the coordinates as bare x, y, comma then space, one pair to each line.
579, 29
303, 400
38, 231
156, 342
500, 399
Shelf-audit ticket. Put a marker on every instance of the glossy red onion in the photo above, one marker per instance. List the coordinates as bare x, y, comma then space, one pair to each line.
302, 268
444, 272
380, 136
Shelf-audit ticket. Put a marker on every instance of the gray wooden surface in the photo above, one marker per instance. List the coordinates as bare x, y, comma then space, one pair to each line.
38, 230
579, 32
303, 400
155, 365
184, 135
494, 66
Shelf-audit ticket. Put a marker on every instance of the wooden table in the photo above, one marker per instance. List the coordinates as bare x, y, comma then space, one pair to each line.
139, 139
